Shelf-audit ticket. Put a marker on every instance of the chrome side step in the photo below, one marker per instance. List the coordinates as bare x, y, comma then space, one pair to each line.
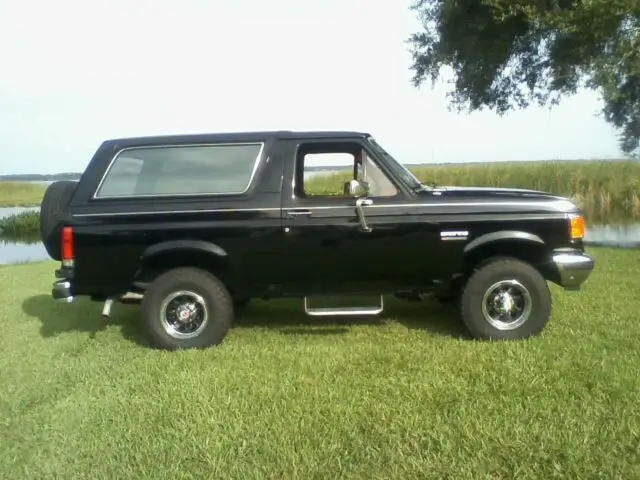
342, 311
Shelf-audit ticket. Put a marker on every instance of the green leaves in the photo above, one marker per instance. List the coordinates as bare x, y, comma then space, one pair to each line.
508, 54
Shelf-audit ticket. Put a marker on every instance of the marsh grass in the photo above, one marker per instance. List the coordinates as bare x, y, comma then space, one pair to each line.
24, 224
605, 190
21, 194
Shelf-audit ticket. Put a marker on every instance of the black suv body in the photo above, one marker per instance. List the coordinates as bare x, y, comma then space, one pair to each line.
194, 226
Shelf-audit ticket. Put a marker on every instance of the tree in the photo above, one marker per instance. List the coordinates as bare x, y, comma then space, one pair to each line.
508, 54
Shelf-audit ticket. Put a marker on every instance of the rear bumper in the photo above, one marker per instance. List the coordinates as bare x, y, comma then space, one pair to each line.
62, 290
573, 268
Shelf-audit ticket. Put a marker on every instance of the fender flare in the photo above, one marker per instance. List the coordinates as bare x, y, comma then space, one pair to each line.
173, 245
502, 235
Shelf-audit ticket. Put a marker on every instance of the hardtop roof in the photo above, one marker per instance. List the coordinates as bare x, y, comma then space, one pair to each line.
250, 136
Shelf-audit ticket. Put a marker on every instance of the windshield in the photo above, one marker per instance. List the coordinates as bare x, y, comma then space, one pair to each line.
398, 169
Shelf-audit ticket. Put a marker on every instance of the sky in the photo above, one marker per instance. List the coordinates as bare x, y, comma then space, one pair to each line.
74, 73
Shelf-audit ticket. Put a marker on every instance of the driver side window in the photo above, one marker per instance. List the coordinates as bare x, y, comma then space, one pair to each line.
323, 169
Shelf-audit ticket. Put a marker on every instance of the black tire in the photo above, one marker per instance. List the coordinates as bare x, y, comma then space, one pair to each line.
216, 300
528, 280
54, 203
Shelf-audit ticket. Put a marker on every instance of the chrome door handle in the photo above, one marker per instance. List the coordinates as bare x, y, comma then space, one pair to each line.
299, 213
363, 202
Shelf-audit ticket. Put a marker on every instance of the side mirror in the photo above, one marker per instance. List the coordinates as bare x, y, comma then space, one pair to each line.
358, 189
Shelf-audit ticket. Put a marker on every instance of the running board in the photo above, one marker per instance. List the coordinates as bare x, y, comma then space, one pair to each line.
342, 311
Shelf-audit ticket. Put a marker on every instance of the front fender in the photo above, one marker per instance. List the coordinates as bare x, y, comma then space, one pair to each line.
501, 236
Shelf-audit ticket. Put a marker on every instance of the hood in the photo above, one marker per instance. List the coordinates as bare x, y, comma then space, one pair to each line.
495, 193
515, 196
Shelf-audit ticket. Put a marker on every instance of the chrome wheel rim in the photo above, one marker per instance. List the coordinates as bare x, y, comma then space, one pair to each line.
184, 314
507, 304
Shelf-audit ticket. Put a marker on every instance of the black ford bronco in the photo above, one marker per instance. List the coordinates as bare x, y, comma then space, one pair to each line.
194, 226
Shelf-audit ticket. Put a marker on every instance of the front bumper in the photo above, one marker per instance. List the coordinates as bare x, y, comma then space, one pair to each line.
62, 290
573, 268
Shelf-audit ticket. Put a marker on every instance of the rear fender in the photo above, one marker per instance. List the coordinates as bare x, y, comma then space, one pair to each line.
175, 245
171, 254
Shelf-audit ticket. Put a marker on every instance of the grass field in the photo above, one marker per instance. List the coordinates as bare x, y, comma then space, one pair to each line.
22, 194
406, 396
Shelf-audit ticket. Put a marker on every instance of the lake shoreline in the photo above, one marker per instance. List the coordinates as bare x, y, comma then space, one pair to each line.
21, 205
21, 224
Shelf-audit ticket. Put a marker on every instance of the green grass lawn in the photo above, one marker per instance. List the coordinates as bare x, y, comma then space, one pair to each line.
406, 396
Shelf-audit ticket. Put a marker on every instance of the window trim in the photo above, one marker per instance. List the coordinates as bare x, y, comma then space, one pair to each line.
376, 160
256, 164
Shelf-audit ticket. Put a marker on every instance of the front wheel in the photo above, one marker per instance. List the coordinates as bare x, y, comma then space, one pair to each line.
186, 308
506, 300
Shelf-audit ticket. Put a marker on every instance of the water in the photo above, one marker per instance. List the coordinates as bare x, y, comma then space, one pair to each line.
625, 236
13, 250
8, 211
22, 250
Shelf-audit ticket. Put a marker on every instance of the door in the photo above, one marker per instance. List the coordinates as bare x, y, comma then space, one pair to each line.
330, 246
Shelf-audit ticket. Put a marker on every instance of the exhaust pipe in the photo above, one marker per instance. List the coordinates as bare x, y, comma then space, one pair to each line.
106, 309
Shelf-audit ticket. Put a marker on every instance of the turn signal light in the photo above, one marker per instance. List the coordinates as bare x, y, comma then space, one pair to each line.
576, 227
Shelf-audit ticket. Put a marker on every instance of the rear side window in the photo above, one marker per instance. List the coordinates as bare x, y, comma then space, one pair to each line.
181, 170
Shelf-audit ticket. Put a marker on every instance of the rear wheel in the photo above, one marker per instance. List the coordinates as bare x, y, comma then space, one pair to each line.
186, 308
54, 203
506, 300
